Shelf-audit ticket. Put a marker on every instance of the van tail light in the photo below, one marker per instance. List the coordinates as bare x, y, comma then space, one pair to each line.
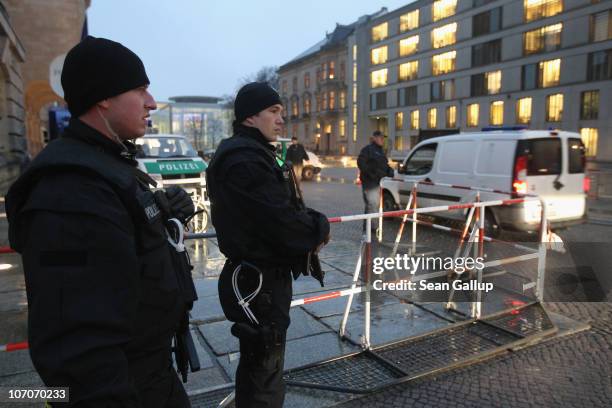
519, 178
586, 185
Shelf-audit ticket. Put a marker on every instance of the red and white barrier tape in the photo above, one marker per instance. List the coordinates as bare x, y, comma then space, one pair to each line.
14, 346
427, 210
490, 190
327, 296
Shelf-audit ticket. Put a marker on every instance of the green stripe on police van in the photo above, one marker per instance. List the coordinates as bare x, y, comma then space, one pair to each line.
175, 167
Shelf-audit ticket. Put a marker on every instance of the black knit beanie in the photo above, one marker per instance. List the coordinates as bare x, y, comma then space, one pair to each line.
253, 98
97, 69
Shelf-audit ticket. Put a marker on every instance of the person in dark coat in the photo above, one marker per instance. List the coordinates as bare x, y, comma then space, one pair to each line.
373, 166
266, 234
103, 297
296, 154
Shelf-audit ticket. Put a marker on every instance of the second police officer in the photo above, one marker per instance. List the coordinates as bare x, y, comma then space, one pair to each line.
266, 234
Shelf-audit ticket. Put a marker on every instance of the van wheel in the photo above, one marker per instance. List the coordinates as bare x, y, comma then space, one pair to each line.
388, 202
491, 227
307, 173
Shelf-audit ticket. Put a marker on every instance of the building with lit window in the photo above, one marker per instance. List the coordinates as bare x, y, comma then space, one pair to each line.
204, 120
436, 67
314, 88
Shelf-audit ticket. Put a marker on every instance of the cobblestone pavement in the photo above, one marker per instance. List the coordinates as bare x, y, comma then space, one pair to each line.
572, 371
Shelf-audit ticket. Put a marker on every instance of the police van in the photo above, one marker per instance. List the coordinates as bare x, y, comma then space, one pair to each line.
171, 160
546, 163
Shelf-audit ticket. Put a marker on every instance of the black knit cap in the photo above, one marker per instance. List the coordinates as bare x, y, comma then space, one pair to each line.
253, 98
97, 69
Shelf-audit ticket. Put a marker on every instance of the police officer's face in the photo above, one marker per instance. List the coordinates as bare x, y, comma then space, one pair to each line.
269, 122
128, 113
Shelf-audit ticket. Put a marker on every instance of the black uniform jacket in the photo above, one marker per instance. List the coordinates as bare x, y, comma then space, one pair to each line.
373, 165
254, 212
103, 299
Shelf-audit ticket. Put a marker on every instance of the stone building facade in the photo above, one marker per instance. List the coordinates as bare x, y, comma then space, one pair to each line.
314, 90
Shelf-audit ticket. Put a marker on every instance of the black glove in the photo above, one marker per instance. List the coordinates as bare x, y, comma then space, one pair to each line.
181, 205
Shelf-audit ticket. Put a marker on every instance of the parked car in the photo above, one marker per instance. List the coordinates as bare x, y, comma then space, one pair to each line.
549, 164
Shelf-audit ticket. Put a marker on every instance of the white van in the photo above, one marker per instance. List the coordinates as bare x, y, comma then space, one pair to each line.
549, 164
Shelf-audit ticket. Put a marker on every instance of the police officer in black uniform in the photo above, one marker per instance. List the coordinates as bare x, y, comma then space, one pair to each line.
104, 296
267, 235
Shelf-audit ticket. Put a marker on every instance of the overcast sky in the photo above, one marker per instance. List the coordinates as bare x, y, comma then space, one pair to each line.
204, 47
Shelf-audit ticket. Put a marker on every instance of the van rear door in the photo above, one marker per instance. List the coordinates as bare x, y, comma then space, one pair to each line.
546, 161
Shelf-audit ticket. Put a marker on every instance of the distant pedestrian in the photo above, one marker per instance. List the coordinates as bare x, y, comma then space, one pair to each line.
296, 154
373, 166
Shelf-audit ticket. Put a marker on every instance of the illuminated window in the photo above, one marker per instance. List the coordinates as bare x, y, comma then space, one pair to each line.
380, 32
451, 117
409, 21
550, 72
332, 71
554, 108
399, 120
543, 39
355, 52
342, 128
294, 107
497, 113
379, 78
408, 46
486, 83
443, 8
536, 9
378, 55
432, 117
307, 80
354, 133
414, 119
589, 106
493, 82
355, 93
443, 36
523, 110
589, 138
307, 104
332, 100
354, 71
355, 113
443, 63
473, 110
408, 71
601, 26
342, 101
